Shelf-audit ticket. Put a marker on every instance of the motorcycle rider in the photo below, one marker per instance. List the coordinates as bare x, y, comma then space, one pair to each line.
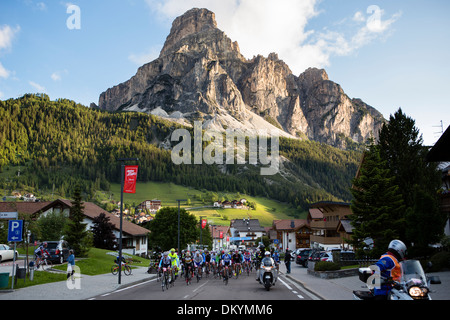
390, 267
266, 261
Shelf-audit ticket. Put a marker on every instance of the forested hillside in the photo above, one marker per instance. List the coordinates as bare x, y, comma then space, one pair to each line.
61, 143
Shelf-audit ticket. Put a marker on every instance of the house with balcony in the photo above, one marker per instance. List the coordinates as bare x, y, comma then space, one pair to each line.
291, 233
324, 219
246, 232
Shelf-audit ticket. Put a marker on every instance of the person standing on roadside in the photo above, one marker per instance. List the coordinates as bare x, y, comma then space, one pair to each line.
287, 261
70, 264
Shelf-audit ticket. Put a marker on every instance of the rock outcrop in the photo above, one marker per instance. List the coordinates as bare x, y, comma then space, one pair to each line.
200, 74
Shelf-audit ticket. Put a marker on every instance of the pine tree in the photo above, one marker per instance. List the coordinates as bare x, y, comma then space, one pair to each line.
76, 233
419, 181
377, 205
102, 230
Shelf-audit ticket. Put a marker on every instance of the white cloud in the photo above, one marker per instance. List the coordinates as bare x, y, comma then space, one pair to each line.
56, 76
3, 72
6, 36
37, 86
1, 95
265, 26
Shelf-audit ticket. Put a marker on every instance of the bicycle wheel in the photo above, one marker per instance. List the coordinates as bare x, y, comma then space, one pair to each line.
166, 281
188, 276
127, 270
115, 269
47, 265
163, 280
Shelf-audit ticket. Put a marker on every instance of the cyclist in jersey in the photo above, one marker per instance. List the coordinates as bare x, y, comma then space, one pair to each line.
236, 261
188, 263
276, 258
226, 261
248, 259
175, 261
40, 253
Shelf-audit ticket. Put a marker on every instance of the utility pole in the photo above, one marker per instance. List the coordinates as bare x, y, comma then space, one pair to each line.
178, 200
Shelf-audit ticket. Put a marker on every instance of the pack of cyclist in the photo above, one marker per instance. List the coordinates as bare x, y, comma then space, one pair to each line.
222, 263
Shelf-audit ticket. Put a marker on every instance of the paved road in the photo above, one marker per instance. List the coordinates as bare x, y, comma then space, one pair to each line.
243, 288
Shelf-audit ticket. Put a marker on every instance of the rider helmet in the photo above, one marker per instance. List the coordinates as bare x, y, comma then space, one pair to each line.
398, 248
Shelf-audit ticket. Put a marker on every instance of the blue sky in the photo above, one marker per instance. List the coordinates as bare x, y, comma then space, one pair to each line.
390, 54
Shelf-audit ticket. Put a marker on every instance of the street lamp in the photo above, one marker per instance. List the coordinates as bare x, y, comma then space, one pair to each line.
122, 169
178, 200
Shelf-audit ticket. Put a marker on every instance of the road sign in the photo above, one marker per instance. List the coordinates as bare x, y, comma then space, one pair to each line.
8, 215
15, 228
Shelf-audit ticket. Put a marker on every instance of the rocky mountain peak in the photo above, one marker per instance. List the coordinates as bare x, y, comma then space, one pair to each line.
201, 75
192, 22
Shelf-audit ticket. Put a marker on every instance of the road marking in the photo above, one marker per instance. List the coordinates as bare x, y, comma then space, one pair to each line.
292, 290
200, 286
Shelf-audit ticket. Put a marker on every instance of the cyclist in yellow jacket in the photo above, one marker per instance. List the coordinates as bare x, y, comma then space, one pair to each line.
175, 261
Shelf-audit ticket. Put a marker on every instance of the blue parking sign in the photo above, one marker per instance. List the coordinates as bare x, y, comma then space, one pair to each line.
15, 228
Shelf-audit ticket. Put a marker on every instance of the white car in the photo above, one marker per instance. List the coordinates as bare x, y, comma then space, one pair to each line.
6, 253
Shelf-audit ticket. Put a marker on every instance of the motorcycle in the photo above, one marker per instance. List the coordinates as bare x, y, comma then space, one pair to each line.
413, 284
268, 274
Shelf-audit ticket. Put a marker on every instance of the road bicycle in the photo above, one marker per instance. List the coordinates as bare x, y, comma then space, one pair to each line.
226, 274
207, 269
44, 264
125, 268
237, 270
247, 267
166, 278
188, 275
198, 273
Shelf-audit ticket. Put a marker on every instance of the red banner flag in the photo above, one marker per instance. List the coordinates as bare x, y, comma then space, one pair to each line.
221, 235
129, 185
203, 223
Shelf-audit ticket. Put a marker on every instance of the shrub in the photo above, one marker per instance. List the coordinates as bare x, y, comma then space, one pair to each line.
326, 266
440, 261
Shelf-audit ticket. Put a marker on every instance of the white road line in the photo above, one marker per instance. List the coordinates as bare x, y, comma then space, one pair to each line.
290, 288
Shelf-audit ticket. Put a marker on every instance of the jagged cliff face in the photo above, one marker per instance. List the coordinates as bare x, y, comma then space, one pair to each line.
201, 75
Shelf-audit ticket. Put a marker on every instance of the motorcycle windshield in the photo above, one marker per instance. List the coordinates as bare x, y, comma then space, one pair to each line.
267, 263
412, 272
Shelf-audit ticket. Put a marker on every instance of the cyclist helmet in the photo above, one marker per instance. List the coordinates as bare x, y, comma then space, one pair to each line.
267, 253
398, 248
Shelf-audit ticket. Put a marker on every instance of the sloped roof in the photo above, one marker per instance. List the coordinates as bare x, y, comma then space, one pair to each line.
215, 231
289, 224
23, 207
315, 213
91, 210
345, 225
247, 224
440, 152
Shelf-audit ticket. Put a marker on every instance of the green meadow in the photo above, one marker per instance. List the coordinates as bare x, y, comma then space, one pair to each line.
200, 204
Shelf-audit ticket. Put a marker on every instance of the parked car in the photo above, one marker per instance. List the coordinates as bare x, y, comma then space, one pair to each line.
315, 255
302, 257
345, 255
7, 253
58, 250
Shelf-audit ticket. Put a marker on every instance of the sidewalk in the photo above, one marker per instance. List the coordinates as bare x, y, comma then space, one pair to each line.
342, 288
89, 286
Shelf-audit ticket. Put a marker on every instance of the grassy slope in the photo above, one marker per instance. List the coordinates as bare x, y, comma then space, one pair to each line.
266, 210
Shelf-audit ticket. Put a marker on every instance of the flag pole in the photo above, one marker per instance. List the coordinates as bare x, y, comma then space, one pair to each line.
122, 173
